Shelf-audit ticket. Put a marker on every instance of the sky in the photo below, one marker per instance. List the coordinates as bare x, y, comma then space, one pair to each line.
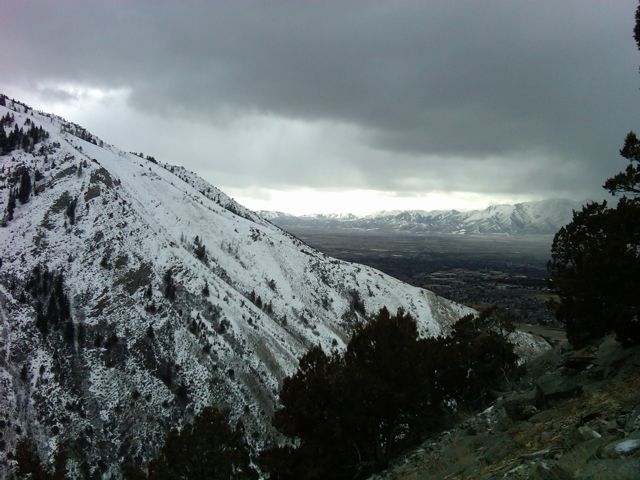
343, 106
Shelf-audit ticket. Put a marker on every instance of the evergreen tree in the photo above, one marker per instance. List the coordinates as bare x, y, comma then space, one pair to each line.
208, 448
30, 466
595, 271
24, 191
18, 138
50, 292
627, 183
11, 206
169, 286
3, 140
199, 249
41, 319
352, 413
595, 259
69, 332
71, 210
28, 462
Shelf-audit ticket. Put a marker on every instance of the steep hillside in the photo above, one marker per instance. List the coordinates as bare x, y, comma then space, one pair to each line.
529, 218
574, 415
133, 293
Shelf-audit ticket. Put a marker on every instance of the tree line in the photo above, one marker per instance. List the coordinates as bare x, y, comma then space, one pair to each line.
18, 137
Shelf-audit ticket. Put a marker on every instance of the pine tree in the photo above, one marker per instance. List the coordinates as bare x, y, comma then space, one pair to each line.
207, 448
169, 286
11, 206
200, 250
24, 190
30, 466
346, 410
71, 210
3, 140
41, 320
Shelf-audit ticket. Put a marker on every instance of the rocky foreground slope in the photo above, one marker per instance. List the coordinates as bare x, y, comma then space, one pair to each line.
575, 415
133, 293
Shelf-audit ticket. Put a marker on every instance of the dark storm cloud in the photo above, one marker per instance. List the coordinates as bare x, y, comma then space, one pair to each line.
448, 89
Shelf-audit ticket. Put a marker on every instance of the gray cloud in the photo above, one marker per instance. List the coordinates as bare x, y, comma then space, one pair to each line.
487, 96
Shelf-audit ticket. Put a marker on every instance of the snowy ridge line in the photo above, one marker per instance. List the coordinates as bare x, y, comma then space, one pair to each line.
178, 298
542, 217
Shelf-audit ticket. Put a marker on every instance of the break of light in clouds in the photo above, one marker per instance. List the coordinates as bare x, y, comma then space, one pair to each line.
353, 106
362, 202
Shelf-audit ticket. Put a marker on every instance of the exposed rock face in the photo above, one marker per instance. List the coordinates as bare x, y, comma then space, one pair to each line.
133, 294
565, 420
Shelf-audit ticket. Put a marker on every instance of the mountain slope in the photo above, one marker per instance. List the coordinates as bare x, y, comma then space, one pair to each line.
132, 294
542, 217
575, 414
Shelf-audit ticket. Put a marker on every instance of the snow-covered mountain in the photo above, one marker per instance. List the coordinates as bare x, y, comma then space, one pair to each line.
133, 293
528, 218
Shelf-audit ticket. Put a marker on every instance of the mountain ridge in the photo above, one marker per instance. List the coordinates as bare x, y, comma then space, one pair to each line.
133, 294
542, 217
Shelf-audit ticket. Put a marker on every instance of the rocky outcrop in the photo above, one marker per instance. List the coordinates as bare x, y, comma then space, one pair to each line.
565, 419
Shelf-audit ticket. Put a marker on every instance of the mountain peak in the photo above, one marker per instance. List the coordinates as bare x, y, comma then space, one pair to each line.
527, 218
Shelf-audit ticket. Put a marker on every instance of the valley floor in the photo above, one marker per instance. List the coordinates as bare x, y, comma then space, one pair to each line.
475, 270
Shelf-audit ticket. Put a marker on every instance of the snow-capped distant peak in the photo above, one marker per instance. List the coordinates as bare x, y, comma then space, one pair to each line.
539, 217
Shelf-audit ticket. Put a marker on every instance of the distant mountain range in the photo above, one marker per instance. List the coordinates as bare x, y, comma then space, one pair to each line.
527, 218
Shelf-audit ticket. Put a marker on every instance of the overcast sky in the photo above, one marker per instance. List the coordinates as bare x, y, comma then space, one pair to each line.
318, 106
